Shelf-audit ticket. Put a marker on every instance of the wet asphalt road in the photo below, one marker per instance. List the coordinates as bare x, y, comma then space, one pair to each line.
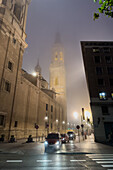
72, 156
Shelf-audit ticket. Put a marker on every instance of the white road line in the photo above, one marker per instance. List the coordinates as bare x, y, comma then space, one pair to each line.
98, 154
107, 166
103, 159
54, 168
77, 160
43, 160
11, 161
104, 162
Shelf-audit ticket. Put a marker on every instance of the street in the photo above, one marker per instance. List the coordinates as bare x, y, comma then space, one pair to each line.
74, 155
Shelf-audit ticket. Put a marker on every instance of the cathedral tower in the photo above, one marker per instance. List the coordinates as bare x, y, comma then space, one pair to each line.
57, 74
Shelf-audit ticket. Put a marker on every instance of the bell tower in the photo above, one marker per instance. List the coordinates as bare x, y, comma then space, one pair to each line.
57, 74
13, 15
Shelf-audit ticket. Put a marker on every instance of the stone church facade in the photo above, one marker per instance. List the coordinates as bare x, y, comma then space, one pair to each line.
24, 100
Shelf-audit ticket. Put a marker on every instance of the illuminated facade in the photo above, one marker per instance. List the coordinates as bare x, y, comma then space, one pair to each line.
98, 62
24, 100
57, 75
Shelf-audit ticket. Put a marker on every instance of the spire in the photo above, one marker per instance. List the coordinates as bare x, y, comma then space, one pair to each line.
38, 68
57, 39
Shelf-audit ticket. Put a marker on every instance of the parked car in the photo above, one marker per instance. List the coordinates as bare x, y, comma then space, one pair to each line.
64, 138
53, 141
71, 135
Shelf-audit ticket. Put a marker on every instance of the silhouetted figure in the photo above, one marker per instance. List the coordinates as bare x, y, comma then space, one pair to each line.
2, 138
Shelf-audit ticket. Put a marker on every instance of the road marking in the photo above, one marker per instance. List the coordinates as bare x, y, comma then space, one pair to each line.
98, 154
54, 168
77, 160
107, 166
10, 161
104, 162
108, 159
43, 160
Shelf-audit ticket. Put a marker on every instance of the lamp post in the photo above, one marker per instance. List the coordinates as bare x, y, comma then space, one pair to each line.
47, 124
63, 125
57, 125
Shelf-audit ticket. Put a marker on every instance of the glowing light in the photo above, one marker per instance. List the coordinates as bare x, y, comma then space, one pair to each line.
46, 118
75, 115
87, 114
56, 120
34, 74
63, 122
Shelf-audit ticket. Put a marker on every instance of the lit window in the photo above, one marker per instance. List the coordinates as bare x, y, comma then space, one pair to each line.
112, 95
96, 50
102, 96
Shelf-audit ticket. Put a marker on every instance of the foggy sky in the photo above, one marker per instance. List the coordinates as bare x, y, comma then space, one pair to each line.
74, 20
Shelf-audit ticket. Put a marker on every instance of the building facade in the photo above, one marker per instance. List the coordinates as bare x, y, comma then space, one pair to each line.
58, 76
98, 63
24, 100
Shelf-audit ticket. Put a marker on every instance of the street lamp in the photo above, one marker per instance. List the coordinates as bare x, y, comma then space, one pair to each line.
47, 124
57, 125
34, 74
63, 123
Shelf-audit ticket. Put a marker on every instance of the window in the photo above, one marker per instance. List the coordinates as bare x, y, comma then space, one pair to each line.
4, 2
108, 59
106, 49
51, 126
110, 70
111, 82
51, 108
97, 59
7, 86
46, 107
10, 66
16, 124
102, 96
98, 70
1, 120
100, 82
17, 11
96, 50
104, 110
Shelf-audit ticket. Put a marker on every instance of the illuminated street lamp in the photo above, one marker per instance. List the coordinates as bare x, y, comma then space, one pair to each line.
63, 125
34, 74
63, 122
57, 125
46, 118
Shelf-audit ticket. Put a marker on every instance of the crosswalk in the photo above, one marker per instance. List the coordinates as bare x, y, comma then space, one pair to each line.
105, 160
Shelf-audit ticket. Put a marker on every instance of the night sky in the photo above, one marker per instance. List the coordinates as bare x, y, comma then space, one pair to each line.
73, 19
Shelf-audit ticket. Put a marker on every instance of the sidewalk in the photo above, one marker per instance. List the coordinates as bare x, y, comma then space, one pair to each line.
89, 146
